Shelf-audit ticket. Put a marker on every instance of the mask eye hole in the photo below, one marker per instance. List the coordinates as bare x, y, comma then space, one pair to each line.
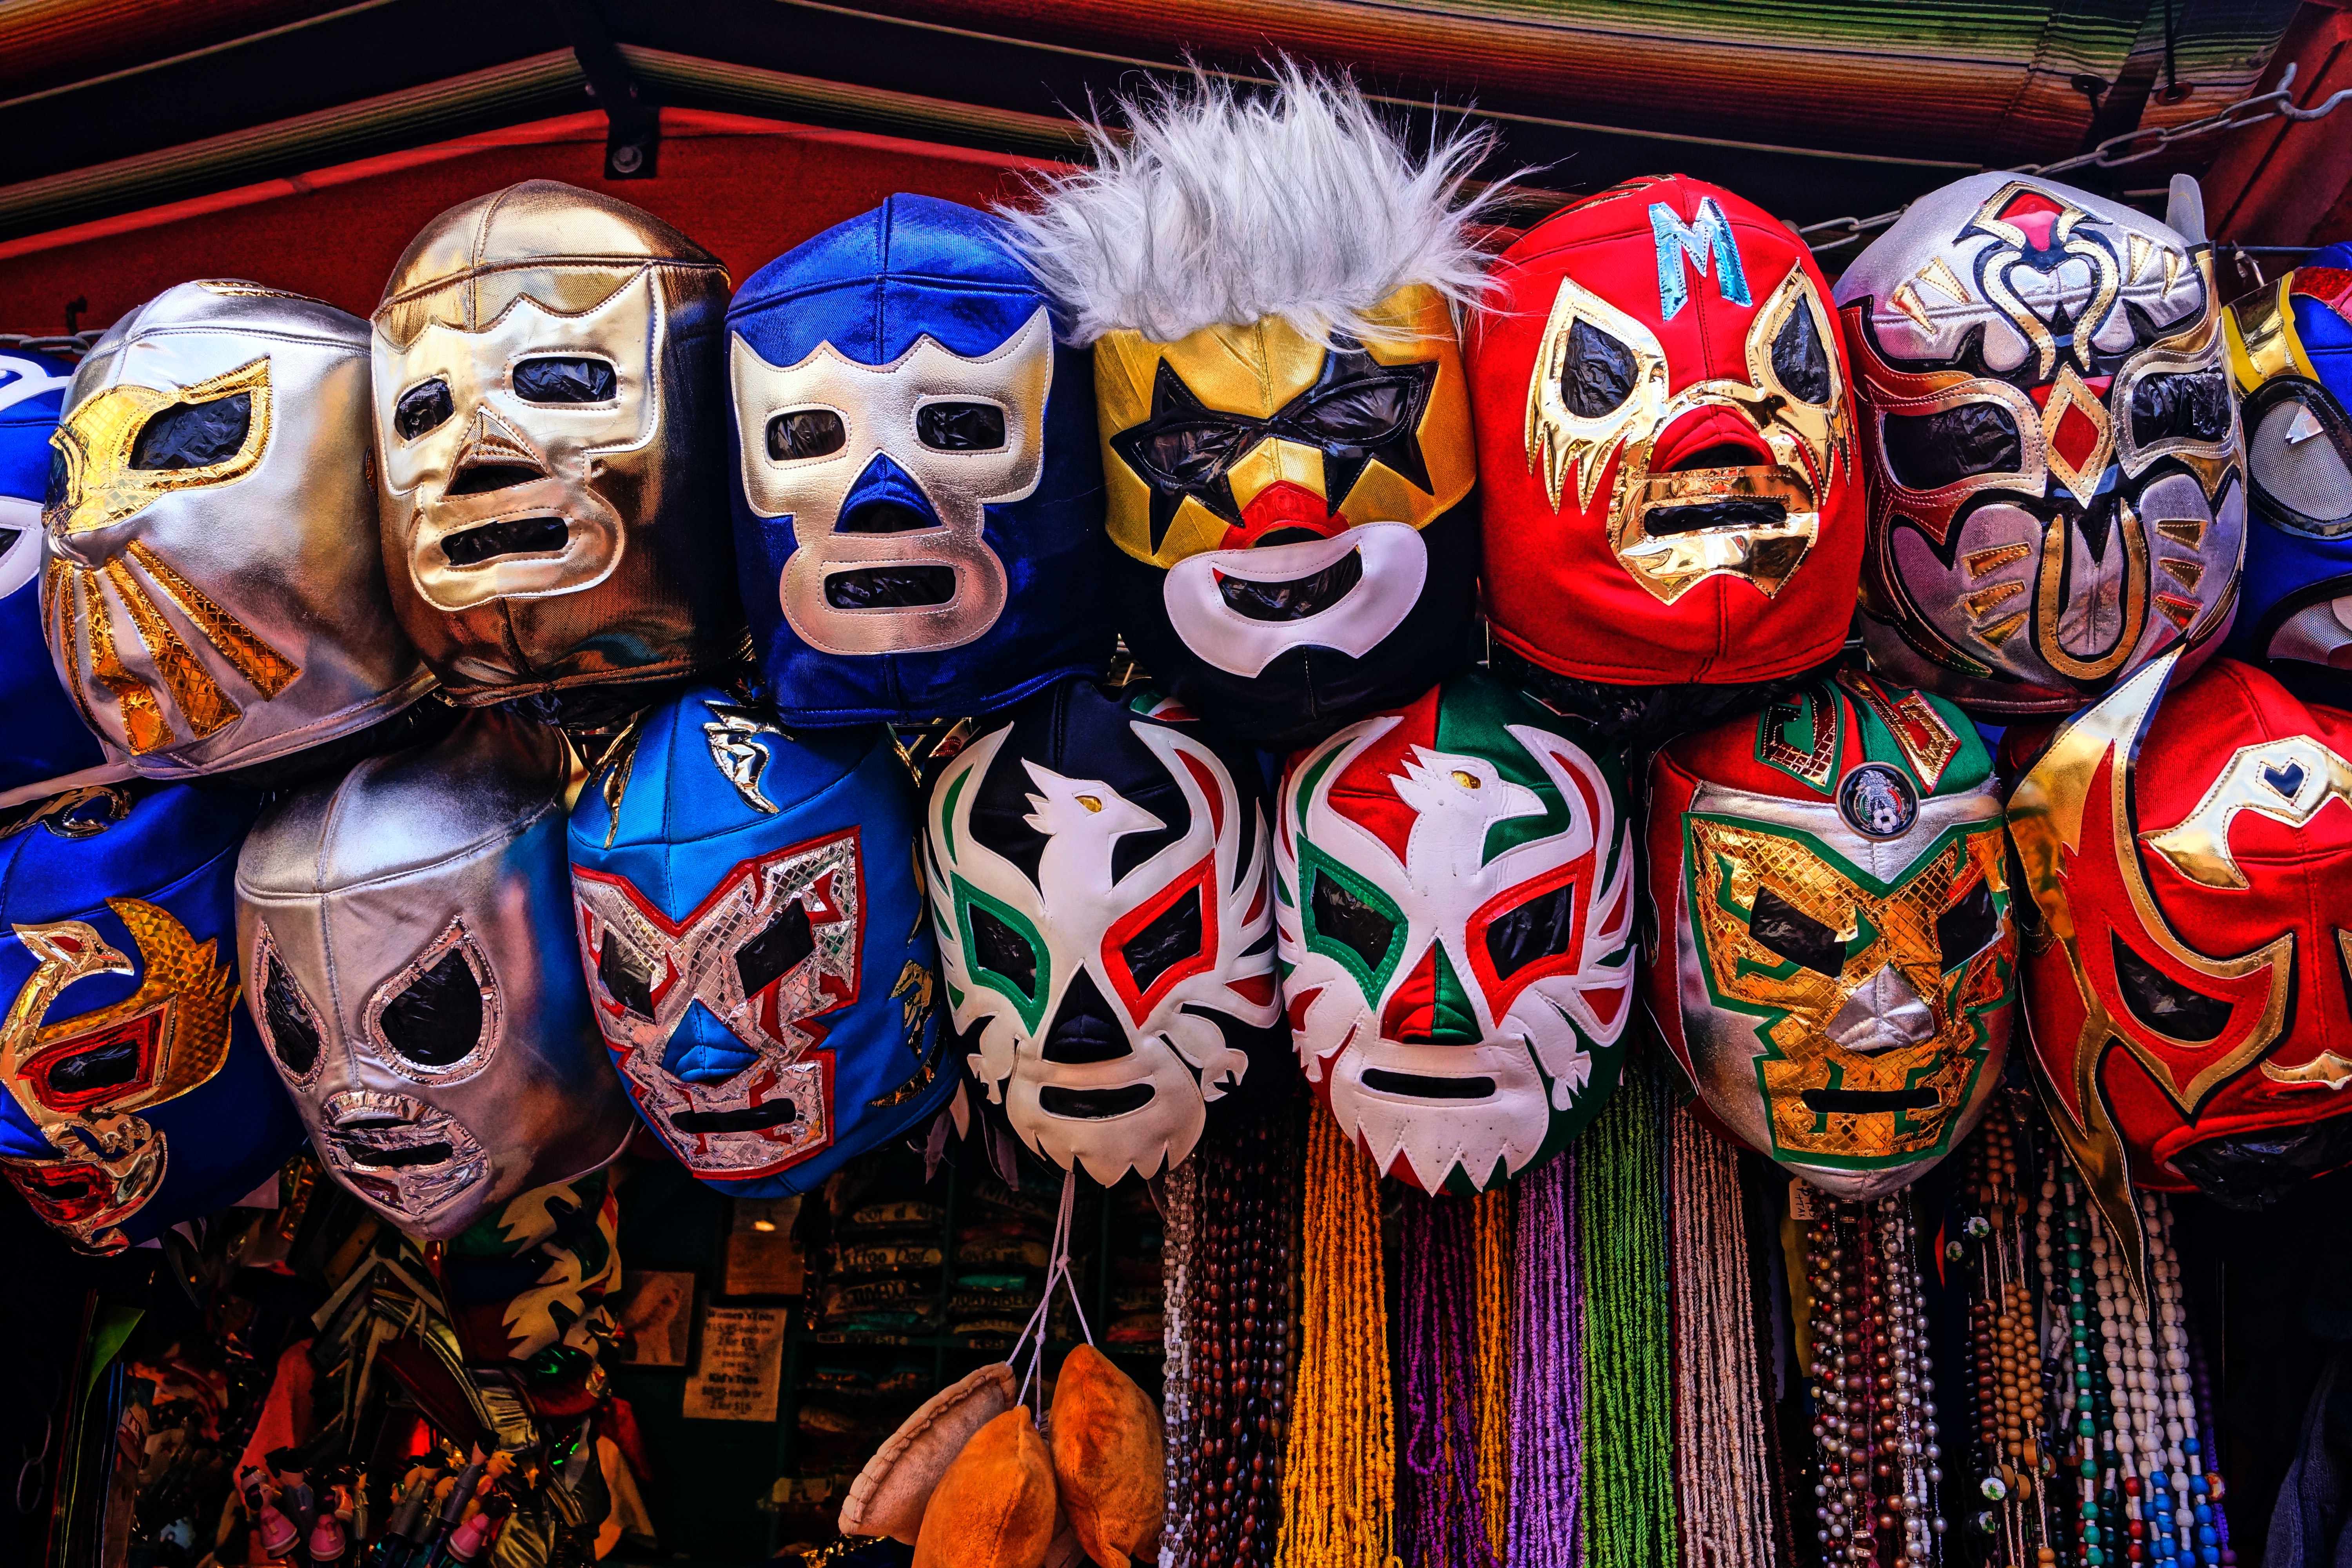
293, 1034
1799, 362
108, 1065
1781, 927
2194, 405
1356, 413
1182, 455
1596, 372
1004, 951
1963, 931
438, 1019
195, 434
803, 433
1349, 921
1928, 451
1174, 936
2162, 1003
423, 407
627, 978
960, 427
60, 485
566, 378
1540, 928
2295, 452
779, 949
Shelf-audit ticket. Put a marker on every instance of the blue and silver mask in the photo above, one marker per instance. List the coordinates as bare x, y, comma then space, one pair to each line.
918, 495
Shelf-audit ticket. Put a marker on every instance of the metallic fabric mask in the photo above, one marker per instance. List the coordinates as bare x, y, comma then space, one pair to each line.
210, 598
137, 1094
408, 931
2290, 350
547, 386
2187, 981
1098, 884
2058, 496
750, 916
1835, 956
1294, 543
918, 505
49, 749
1665, 442
1455, 903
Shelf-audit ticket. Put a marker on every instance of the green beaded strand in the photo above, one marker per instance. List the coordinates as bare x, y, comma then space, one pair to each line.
1628, 1463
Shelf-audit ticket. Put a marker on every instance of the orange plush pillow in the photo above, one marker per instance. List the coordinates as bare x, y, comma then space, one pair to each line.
891, 1492
994, 1508
1108, 1457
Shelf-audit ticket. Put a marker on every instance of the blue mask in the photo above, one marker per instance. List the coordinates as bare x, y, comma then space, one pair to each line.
919, 488
747, 907
139, 1095
49, 748
2291, 355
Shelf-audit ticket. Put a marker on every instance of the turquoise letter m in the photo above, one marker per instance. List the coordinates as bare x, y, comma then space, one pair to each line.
1705, 238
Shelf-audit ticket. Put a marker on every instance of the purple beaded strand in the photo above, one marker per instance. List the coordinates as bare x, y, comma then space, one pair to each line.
1547, 1372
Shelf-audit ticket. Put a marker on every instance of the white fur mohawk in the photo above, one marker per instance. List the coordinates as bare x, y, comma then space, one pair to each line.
1219, 207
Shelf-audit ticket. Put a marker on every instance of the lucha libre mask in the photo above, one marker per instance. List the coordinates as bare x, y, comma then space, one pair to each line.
1097, 878
2290, 348
49, 749
2058, 497
757, 948
546, 394
1455, 900
919, 514
138, 1096
210, 598
1835, 958
408, 932
1664, 442
2187, 985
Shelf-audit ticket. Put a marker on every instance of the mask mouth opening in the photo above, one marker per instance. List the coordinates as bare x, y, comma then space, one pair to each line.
890, 587
1093, 1104
1867, 1102
1295, 598
507, 536
1697, 517
749, 1119
1424, 1086
884, 517
376, 1159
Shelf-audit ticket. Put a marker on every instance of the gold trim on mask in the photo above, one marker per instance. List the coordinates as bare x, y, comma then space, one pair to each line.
198, 697
2287, 780
1928, 744
266, 669
2049, 594
2260, 339
2108, 284
145, 728
97, 437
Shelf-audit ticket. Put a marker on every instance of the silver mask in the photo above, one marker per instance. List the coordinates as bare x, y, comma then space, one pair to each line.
409, 931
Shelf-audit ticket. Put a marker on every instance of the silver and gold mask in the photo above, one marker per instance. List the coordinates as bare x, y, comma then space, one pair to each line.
408, 932
550, 407
212, 597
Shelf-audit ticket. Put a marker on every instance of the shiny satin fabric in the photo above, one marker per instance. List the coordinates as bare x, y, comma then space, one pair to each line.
2058, 483
137, 1095
548, 410
408, 929
750, 916
210, 596
918, 500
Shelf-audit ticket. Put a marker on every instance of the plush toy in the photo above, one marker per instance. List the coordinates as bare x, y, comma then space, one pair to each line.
1455, 903
2290, 349
210, 594
750, 912
549, 419
2058, 495
50, 750
408, 934
918, 495
1664, 448
1270, 287
2192, 867
137, 1094
1099, 882
1835, 957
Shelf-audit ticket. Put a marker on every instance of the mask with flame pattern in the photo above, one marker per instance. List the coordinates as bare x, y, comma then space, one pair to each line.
1835, 959
2290, 349
918, 505
137, 1094
408, 932
1663, 443
759, 956
1098, 884
210, 598
2187, 980
1456, 900
2058, 496
547, 382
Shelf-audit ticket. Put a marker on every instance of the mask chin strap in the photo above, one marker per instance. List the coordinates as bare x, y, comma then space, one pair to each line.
1057, 1270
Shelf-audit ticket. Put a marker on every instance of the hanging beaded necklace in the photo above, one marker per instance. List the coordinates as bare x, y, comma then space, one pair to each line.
1179, 1197
1628, 1521
1441, 1508
1547, 1381
2011, 1450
